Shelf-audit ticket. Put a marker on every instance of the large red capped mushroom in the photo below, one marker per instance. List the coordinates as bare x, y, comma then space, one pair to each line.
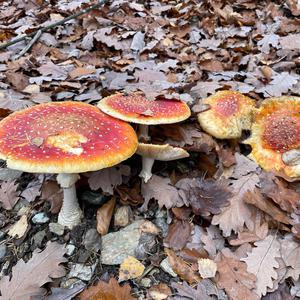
65, 138
276, 132
230, 112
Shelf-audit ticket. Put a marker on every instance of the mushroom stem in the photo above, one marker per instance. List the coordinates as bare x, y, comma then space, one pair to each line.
143, 133
70, 213
146, 173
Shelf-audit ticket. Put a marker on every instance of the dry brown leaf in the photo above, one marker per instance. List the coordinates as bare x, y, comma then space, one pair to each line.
160, 188
9, 195
107, 179
19, 228
130, 268
27, 278
238, 213
107, 291
159, 292
104, 215
181, 268
262, 263
80, 71
52, 192
234, 278
185, 290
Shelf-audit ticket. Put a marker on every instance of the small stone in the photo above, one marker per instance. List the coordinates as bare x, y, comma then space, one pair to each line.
70, 249
70, 283
166, 267
116, 246
146, 282
92, 240
2, 234
2, 251
37, 239
122, 216
56, 228
40, 218
93, 198
82, 272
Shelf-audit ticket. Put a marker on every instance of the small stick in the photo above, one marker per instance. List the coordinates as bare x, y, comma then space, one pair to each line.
84, 11
30, 44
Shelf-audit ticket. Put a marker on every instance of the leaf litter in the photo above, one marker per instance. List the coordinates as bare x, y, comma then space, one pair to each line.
216, 207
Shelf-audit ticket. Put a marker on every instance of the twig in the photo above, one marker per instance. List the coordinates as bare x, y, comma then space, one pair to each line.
84, 11
30, 44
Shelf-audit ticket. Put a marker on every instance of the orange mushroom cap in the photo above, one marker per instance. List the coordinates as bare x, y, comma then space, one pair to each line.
136, 108
230, 112
64, 137
276, 130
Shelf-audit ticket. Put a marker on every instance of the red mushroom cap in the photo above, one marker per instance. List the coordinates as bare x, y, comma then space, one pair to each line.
136, 108
230, 112
275, 131
64, 137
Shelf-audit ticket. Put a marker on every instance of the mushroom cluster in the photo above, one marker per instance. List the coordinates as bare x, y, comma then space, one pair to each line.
275, 135
135, 108
65, 138
230, 113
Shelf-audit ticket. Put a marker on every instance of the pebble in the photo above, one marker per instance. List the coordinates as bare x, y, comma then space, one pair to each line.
146, 282
37, 239
116, 246
2, 251
2, 234
122, 216
70, 283
70, 249
165, 266
40, 218
92, 240
56, 228
93, 198
82, 272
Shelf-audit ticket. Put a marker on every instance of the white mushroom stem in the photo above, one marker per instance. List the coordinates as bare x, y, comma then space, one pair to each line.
143, 133
146, 172
70, 214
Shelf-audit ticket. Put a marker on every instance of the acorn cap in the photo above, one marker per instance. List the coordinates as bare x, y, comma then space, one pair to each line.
161, 152
275, 131
230, 112
136, 108
64, 137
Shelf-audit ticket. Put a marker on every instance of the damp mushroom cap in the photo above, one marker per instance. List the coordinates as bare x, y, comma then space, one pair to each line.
64, 137
275, 132
136, 108
230, 112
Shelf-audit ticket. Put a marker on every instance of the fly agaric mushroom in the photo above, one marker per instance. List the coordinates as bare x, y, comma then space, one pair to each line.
276, 133
135, 108
230, 112
65, 138
151, 152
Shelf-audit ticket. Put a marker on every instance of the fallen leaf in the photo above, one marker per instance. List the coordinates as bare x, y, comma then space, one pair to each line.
52, 192
107, 179
104, 215
261, 262
267, 41
160, 188
178, 235
19, 228
130, 268
9, 195
234, 278
107, 291
181, 268
159, 292
213, 240
185, 290
81, 71
42, 267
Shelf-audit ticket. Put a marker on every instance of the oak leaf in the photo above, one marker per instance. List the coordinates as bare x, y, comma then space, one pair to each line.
262, 263
185, 290
107, 291
9, 195
27, 278
234, 278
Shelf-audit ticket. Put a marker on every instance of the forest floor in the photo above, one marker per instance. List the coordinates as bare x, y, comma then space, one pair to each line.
210, 226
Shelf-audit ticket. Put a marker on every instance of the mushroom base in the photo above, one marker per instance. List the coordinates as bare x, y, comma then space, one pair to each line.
146, 172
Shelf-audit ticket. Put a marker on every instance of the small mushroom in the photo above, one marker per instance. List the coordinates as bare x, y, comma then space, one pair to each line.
230, 112
66, 138
275, 135
151, 152
135, 108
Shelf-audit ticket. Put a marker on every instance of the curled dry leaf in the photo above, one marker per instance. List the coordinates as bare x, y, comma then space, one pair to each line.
19, 228
159, 292
107, 291
130, 268
104, 215
181, 268
9, 195
178, 235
